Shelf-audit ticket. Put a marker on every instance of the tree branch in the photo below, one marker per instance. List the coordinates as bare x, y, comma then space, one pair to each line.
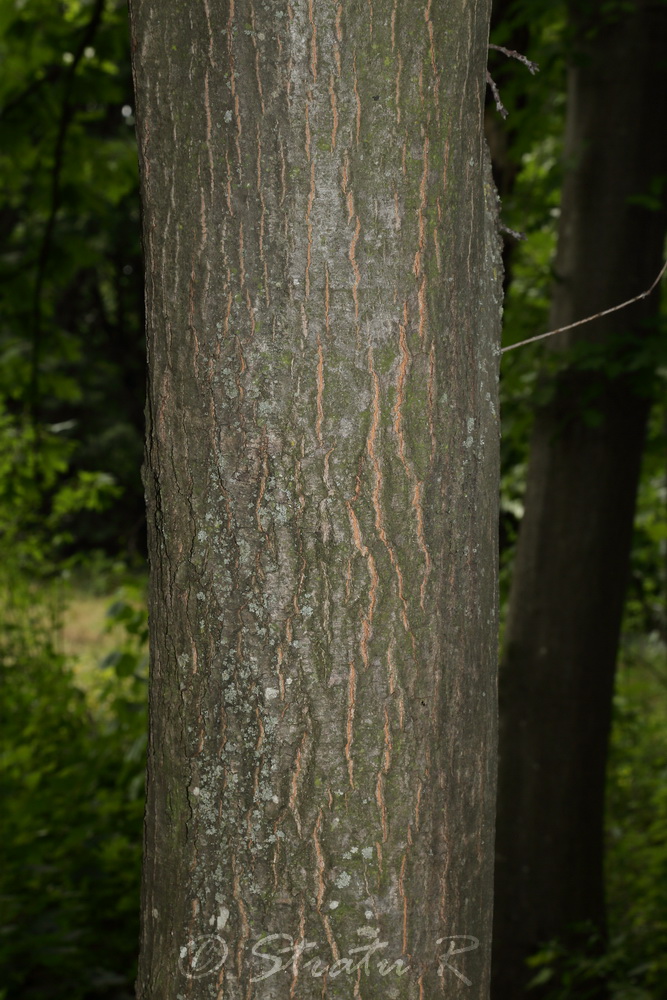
589, 319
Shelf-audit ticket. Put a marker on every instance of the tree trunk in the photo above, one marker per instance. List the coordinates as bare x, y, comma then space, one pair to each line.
323, 287
570, 574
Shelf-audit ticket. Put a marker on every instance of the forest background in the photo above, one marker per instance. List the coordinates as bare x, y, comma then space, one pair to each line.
72, 574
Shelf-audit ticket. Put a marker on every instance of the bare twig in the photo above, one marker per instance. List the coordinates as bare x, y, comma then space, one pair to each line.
512, 232
589, 319
512, 54
500, 107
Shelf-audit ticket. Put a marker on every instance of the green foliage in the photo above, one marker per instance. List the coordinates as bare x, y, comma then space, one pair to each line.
41, 494
71, 778
646, 603
632, 964
637, 815
71, 772
578, 970
71, 341
526, 149
129, 659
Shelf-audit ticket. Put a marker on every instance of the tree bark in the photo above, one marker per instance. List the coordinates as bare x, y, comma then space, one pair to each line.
322, 296
572, 560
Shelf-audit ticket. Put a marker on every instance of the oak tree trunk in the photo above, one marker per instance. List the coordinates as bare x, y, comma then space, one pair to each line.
323, 285
569, 581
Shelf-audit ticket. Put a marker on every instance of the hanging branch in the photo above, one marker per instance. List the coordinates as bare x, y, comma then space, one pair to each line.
589, 319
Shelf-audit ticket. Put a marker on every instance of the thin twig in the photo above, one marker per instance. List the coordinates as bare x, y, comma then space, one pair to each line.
511, 232
500, 107
512, 54
589, 319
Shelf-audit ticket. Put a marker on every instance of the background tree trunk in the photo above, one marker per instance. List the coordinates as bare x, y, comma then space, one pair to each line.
323, 287
573, 552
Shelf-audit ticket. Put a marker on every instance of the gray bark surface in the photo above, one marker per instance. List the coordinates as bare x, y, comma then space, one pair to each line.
323, 303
